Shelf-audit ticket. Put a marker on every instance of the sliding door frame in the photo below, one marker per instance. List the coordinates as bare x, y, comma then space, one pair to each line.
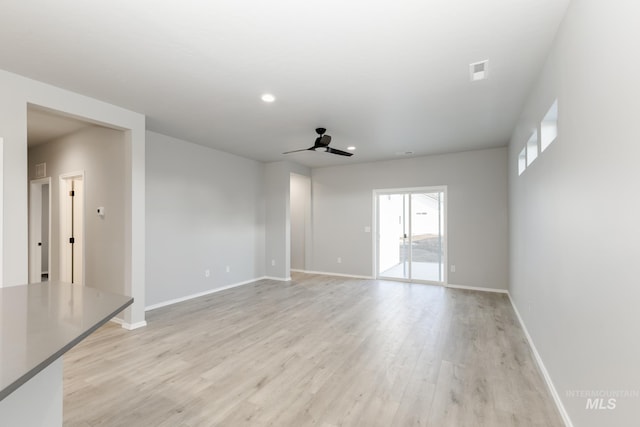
445, 237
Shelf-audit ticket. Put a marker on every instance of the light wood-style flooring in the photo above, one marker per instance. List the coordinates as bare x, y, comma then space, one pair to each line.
316, 351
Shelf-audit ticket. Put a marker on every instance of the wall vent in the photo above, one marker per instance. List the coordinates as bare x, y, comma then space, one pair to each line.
479, 70
41, 170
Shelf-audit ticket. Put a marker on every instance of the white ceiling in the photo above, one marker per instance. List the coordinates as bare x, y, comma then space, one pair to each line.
44, 126
386, 76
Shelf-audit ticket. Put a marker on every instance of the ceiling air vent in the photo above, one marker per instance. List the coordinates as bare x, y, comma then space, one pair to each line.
479, 70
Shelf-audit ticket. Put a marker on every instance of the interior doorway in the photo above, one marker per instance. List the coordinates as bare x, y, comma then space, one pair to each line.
39, 229
411, 235
300, 222
72, 227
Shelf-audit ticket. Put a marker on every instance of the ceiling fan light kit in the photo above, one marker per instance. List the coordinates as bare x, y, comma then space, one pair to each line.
322, 142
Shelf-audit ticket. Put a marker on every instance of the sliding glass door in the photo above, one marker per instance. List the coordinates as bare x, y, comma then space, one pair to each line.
411, 235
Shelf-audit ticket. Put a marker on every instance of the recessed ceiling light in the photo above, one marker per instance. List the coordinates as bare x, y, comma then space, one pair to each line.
351, 148
267, 97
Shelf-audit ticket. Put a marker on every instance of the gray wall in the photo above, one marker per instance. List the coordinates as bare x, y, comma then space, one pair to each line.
100, 153
205, 210
574, 213
477, 212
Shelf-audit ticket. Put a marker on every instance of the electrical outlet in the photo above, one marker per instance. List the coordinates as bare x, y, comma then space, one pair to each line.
453, 268
273, 262
339, 260
228, 268
207, 273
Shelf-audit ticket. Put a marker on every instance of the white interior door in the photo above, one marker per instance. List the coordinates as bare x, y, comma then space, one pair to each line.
37, 217
72, 228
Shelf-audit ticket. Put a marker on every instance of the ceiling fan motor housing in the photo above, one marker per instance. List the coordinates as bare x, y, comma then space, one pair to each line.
323, 141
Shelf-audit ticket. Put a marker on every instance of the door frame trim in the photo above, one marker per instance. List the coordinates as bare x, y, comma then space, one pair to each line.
375, 236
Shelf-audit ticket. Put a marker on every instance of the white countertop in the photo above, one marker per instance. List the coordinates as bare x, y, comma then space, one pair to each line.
41, 321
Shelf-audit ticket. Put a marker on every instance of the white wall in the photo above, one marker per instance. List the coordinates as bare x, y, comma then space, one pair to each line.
300, 205
17, 92
205, 211
477, 212
574, 234
100, 153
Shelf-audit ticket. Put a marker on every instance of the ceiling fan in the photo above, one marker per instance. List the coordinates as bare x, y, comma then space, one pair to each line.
322, 142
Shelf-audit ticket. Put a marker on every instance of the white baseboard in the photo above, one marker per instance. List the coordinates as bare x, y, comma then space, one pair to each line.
129, 326
132, 326
280, 279
325, 273
475, 288
201, 294
547, 378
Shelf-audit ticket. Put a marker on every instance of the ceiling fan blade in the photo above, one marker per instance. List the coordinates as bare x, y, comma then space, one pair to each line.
303, 149
339, 152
